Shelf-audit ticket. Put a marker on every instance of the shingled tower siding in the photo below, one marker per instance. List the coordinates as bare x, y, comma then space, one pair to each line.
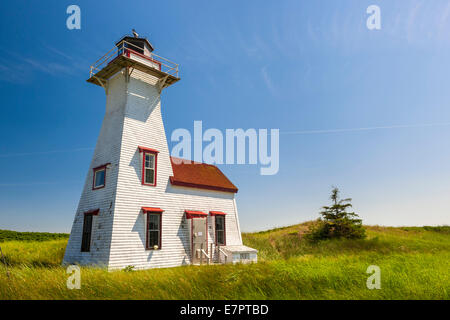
133, 119
106, 151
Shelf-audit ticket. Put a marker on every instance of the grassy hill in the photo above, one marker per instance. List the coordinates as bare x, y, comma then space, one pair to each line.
414, 264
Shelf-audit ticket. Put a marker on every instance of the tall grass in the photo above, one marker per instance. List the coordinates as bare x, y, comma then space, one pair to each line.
414, 265
33, 253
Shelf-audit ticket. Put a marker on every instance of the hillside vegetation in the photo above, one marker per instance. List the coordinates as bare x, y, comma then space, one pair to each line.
7, 235
414, 264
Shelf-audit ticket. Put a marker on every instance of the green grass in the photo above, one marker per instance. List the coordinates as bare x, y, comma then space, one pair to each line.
414, 264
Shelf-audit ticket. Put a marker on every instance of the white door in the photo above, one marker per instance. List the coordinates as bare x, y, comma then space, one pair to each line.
198, 239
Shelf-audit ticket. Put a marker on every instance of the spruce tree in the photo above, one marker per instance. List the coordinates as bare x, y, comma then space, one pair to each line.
336, 222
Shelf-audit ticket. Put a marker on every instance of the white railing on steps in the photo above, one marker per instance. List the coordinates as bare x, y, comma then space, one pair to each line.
203, 253
223, 252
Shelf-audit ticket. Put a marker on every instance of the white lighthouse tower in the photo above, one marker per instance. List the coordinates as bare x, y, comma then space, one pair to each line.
139, 206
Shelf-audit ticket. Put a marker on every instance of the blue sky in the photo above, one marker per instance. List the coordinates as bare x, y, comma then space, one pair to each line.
305, 67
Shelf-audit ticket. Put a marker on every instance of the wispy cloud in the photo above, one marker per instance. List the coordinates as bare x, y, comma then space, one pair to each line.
59, 52
9, 155
442, 25
76, 62
51, 68
19, 69
17, 74
268, 80
411, 22
422, 125
39, 183
417, 22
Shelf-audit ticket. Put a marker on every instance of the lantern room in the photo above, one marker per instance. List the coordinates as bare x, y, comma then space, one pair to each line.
130, 53
140, 45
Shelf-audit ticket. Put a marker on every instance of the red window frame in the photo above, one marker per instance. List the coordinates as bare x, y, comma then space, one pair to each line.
220, 215
190, 214
152, 211
95, 170
128, 51
144, 152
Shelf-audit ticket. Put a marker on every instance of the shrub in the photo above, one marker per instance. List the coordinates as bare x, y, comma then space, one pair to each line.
336, 222
129, 269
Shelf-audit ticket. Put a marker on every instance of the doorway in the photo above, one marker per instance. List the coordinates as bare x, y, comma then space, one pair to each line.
199, 239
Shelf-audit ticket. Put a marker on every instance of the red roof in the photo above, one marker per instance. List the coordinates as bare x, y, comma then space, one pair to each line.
192, 174
152, 209
144, 149
217, 213
195, 214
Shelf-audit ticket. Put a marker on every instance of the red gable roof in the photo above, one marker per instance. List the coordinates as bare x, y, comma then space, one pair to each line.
188, 173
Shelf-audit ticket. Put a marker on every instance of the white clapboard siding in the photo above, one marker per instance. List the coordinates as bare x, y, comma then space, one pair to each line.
133, 118
107, 150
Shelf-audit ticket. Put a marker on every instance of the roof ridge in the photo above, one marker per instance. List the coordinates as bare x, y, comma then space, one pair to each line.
193, 161
195, 174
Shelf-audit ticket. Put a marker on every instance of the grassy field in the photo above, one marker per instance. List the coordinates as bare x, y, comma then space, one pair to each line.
414, 262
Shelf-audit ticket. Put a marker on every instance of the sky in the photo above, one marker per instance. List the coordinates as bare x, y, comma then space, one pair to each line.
365, 110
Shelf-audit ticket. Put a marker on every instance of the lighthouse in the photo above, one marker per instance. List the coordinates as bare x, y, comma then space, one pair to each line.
139, 206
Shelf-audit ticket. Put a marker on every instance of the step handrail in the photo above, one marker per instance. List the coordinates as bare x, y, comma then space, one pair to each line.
224, 253
203, 252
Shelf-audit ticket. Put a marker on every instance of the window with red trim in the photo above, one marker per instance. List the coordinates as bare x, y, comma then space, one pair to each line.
153, 231
220, 229
149, 160
99, 179
87, 230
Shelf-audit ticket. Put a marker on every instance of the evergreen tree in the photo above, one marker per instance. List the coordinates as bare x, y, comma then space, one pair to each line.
336, 222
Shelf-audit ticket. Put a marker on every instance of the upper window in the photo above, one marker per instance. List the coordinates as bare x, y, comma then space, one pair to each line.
220, 229
99, 177
149, 157
149, 168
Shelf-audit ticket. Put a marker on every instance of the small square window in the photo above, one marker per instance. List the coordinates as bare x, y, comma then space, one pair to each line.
245, 256
99, 177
